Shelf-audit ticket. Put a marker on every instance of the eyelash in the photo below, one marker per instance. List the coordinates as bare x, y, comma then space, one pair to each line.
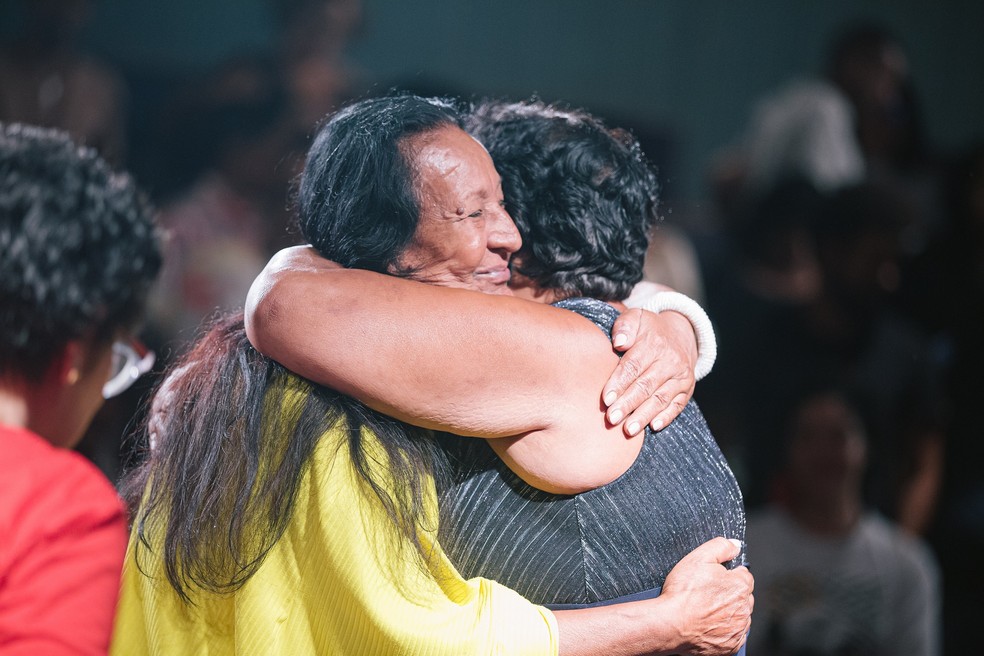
477, 213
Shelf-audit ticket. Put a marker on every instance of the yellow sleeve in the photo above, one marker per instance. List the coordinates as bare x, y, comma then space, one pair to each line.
382, 599
337, 582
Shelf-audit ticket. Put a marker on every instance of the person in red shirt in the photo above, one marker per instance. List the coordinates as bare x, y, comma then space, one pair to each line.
78, 253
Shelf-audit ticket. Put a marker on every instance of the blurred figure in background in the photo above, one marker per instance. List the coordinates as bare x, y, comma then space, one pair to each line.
850, 323
313, 38
237, 138
946, 294
233, 145
833, 577
46, 79
833, 130
78, 253
769, 269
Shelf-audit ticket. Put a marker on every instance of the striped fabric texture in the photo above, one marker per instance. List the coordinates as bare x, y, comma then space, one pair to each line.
610, 542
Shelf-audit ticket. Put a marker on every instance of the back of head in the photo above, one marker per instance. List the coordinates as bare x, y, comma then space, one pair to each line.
867, 61
763, 227
859, 237
582, 195
356, 202
78, 248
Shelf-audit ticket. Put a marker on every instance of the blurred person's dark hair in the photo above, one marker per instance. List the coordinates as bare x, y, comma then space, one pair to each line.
241, 102
78, 250
582, 195
864, 41
774, 246
762, 226
868, 62
858, 233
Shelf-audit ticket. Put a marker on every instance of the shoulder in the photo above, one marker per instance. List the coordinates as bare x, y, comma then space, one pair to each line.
910, 554
598, 312
47, 490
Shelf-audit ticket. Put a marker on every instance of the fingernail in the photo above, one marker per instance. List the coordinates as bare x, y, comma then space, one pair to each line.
615, 416
735, 542
657, 424
620, 339
610, 397
633, 428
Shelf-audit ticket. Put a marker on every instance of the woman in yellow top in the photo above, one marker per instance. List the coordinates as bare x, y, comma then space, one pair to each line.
257, 534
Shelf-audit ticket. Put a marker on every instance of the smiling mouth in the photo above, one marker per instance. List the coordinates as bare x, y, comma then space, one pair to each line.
499, 275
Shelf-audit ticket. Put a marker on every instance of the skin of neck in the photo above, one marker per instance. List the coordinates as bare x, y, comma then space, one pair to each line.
13, 404
20, 405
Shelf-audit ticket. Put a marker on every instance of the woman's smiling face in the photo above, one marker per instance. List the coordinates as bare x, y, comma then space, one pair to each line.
464, 237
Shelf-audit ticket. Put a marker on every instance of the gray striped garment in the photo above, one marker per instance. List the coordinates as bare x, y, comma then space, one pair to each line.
617, 540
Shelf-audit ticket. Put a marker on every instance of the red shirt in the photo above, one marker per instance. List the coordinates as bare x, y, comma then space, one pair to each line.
62, 540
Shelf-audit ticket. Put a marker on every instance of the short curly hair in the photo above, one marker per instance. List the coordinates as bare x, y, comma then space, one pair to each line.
583, 195
78, 248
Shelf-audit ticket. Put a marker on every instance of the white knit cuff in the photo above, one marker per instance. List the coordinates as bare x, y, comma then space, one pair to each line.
688, 307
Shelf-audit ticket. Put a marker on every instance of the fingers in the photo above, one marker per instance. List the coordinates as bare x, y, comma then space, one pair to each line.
715, 604
638, 378
625, 330
716, 550
654, 410
654, 380
626, 373
672, 410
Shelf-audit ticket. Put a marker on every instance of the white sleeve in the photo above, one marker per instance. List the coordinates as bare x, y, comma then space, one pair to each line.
656, 300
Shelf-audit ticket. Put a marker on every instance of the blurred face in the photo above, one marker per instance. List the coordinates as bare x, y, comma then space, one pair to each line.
828, 450
464, 237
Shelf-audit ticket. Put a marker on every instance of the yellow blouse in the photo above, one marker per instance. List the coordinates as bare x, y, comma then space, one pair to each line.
332, 585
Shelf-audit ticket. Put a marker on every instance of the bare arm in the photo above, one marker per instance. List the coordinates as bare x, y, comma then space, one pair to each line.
704, 610
471, 364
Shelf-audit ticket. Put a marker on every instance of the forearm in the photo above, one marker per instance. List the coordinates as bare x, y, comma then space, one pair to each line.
454, 360
703, 609
628, 629
470, 363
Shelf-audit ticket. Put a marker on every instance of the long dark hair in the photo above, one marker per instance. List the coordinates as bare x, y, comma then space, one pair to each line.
357, 202
219, 487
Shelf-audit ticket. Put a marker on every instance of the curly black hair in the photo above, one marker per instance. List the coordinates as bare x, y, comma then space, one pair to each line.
78, 248
583, 195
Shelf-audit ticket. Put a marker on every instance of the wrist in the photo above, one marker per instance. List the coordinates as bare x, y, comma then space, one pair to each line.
699, 321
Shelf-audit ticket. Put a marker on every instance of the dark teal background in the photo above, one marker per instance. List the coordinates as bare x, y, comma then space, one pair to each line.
691, 68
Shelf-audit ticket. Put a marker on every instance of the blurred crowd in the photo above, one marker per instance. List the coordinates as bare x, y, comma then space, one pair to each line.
844, 273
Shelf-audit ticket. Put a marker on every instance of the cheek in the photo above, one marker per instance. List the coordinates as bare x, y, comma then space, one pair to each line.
462, 249
472, 247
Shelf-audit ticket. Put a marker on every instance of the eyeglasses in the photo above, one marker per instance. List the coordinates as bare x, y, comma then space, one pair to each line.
131, 360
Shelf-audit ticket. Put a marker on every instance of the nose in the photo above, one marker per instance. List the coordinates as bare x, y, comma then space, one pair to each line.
503, 235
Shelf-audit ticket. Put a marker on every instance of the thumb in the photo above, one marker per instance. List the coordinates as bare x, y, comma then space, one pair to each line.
717, 550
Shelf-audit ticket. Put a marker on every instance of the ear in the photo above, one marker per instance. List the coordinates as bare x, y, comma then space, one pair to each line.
67, 367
